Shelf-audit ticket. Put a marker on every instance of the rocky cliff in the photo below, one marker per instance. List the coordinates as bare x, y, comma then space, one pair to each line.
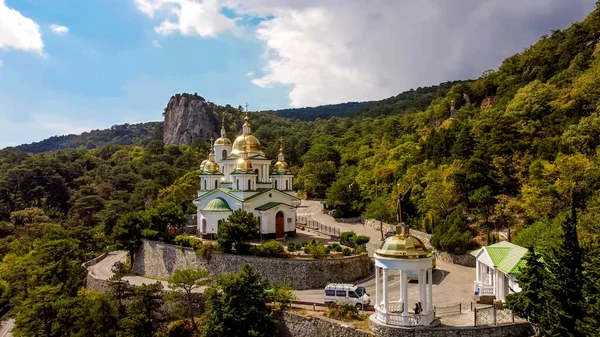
188, 118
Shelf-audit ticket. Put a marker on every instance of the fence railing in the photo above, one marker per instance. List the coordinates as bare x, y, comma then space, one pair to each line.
313, 224
491, 315
457, 308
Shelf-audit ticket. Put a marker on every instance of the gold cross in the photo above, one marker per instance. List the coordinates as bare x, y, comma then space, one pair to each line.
246, 107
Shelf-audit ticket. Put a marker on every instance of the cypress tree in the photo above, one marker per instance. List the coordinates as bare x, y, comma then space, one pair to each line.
530, 302
565, 284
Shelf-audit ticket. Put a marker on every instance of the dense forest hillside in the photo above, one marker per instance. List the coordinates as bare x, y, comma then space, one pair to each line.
516, 150
124, 134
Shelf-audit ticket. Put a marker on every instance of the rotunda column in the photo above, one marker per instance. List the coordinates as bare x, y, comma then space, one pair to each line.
429, 291
401, 299
385, 293
377, 288
404, 293
422, 287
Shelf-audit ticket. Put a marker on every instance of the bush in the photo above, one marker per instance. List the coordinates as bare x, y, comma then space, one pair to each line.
292, 247
316, 250
188, 241
362, 240
269, 249
346, 311
347, 251
360, 250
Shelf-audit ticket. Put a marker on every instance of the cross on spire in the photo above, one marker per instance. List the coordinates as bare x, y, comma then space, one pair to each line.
246, 107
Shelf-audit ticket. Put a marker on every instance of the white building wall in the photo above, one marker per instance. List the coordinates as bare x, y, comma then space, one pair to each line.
212, 221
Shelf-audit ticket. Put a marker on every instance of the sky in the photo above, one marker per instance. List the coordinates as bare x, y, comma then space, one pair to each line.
69, 66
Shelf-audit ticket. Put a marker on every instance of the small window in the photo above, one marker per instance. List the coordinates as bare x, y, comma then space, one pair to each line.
249, 184
237, 184
224, 154
286, 186
216, 183
275, 184
340, 293
205, 184
352, 294
329, 292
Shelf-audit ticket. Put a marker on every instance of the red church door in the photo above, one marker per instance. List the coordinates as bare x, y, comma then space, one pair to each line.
279, 225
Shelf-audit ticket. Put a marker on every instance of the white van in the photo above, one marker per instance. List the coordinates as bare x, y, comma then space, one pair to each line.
346, 293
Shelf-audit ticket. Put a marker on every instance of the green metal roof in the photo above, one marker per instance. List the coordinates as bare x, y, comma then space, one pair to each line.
506, 256
217, 205
270, 205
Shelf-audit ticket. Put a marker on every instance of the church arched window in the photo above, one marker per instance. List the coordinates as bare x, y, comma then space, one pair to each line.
249, 184
275, 184
205, 184
224, 154
237, 184
216, 183
203, 225
286, 185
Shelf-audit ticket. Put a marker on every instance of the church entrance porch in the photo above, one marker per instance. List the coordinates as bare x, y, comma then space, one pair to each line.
279, 225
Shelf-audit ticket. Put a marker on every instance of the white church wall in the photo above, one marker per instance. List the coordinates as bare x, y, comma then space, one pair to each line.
212, 221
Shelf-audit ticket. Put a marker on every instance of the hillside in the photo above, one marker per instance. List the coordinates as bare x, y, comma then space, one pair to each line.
124, 134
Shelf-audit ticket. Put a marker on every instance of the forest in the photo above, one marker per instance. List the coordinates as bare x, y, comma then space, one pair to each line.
514, 151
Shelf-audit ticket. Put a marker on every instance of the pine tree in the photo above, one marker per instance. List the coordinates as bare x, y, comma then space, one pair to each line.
463, 148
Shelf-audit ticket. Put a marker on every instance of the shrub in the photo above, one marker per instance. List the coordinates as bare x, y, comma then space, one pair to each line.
188, 241
347, 238
336, 246
304, 244
360, 250
453, 235
316, 250
362, 240
347, 251
206, 250
346, 311
292, 247
269, 249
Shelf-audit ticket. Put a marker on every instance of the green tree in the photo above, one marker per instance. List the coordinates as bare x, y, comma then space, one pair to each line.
187, 280
119, 288
145, 313
240, 227
380, 209
237, 306
128, 232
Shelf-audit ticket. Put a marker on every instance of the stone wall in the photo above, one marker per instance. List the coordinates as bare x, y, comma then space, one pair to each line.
93, 283
356, 220
160, 260
291, 324
294, 325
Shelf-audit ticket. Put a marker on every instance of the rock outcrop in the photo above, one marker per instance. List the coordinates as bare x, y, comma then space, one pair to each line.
188, 118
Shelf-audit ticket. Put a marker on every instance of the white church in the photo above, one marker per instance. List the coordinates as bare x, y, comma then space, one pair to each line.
239, 176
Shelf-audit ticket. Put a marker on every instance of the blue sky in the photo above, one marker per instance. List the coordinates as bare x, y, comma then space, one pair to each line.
68, 66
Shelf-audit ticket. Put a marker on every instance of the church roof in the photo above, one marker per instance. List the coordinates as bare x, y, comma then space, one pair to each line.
217, 205
270, 205
506, 256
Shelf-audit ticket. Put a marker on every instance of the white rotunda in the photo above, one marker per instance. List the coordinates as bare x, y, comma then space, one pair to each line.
407, 255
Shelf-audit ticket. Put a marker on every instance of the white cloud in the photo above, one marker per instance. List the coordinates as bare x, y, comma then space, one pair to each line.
341, 50
250, 74
19, 32
1, 63
156, 44
188, 17
58, 29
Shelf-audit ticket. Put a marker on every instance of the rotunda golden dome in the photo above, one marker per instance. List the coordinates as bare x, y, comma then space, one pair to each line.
403, 246
252, 144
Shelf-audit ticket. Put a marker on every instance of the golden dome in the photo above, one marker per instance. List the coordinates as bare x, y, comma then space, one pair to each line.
280, 166
223, 141
252, 144
203, 163
211, 167
244, 165
403, 246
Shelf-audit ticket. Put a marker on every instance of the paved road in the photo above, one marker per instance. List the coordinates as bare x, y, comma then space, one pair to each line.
6, 326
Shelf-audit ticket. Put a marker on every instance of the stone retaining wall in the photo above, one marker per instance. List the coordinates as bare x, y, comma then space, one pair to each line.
93, 283
466, 260
356, 220
160, 260
294, 325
